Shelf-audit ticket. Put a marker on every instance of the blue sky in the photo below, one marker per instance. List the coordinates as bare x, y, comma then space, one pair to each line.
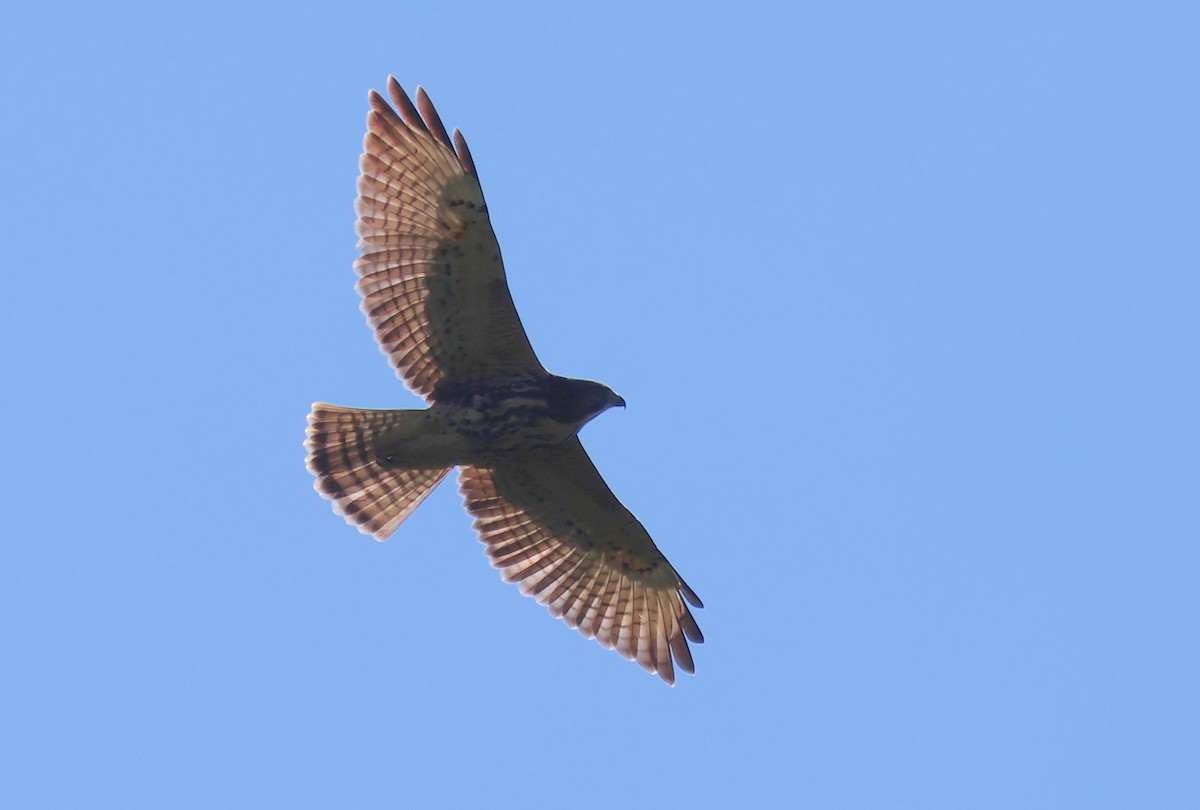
904, 300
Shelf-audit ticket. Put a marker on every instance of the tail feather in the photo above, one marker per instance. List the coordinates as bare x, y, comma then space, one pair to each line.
341, 454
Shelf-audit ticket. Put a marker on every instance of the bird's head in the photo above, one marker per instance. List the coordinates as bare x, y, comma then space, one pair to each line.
580, 401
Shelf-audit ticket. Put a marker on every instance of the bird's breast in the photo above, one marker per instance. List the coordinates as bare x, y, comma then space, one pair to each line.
506, 420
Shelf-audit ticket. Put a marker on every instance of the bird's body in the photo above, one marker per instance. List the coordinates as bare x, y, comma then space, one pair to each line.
516, 415
487, 422
435, 293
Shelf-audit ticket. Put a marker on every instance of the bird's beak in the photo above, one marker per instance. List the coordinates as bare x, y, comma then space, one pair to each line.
618, 401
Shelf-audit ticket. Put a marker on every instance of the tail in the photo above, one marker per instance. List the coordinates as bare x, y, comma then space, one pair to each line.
342, 455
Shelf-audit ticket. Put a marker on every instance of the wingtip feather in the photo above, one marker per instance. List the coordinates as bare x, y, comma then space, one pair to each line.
464, 153
689, 594
404, 105
433, 121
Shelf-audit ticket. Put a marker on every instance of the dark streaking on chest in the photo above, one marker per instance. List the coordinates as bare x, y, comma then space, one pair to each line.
522, 413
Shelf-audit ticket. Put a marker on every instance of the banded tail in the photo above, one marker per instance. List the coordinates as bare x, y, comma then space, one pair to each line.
343, 453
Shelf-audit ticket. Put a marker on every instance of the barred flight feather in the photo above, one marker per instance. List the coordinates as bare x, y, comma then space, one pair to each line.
554, 531
422, 225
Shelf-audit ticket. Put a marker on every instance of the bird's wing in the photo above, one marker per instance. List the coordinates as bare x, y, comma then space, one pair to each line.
553, 526
432, 280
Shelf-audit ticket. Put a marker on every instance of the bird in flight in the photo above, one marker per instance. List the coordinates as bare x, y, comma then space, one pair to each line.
435, 294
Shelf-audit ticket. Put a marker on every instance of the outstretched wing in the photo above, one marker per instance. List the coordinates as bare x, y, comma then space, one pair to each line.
553, 526
433, 283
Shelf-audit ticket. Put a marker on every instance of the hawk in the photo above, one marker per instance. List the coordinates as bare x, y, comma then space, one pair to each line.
435, 294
